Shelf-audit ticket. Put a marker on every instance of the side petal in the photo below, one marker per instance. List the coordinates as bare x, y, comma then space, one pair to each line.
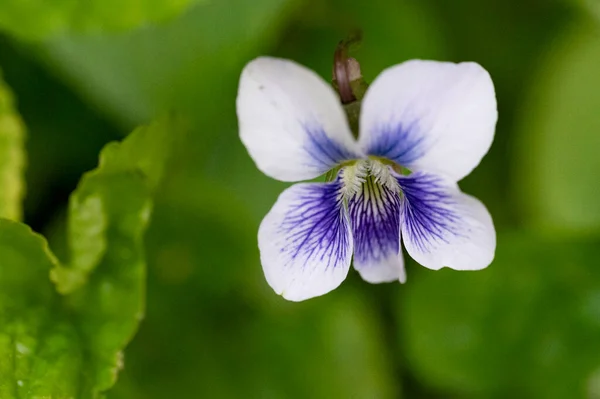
291, 121
441, 226
375, 219
305, 241
437, 117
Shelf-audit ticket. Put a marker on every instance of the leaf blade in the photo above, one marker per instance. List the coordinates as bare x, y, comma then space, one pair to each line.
12, 156
38, 19
38, 346
70, 345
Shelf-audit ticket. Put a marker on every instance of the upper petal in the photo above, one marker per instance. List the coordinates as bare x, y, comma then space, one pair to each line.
291, 121
375, 219
305, 241
441, 226
430, 116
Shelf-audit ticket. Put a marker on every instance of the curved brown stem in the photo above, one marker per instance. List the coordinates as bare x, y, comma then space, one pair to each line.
341, 74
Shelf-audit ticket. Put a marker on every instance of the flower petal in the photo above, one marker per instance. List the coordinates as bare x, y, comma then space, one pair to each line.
375, 219
441, 226
437, 117
305, 241
291, 121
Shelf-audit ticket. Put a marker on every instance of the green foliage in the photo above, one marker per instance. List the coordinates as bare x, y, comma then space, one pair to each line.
71, 346
528, 326
40, 349
62, 347
140, 73
39, 19
131, 169
12, 156
593, 6
559, 163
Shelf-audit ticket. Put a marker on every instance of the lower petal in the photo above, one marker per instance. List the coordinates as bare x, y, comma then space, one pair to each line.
305, 242
442, 226
375, 219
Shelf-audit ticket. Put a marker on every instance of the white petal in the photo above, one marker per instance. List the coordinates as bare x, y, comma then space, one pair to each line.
291, 121
437, 117
385, 270
305, 241
375, 219
441, 226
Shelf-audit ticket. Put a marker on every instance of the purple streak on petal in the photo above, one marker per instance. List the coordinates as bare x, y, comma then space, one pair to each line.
375, 220
427, 210
316, 226
398, 142
324, 151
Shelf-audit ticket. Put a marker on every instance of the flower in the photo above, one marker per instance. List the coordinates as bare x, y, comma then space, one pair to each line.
435, 120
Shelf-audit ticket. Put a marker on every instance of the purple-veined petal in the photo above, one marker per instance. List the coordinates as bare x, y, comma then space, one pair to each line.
375, 219
437, 117
291, 121
441, 226
305, 241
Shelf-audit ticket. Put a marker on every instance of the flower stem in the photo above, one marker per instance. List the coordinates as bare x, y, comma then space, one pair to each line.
348, 81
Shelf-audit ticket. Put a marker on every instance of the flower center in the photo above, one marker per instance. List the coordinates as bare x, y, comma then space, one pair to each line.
355, 175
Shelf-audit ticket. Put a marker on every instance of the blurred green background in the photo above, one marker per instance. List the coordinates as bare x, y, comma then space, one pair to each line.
86, 72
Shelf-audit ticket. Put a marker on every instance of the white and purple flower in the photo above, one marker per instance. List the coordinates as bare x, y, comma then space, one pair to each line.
433, 119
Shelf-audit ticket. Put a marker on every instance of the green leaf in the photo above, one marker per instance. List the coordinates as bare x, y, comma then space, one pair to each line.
108, 216
527, 326
39, 19
12, 156
146, 150
131, 169
71, 346
111, 305
40, 350
558, 163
